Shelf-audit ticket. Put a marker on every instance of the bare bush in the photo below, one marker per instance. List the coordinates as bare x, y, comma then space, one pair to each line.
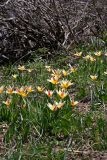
26, 25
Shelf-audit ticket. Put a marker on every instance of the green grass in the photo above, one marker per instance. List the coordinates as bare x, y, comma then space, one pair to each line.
35, 131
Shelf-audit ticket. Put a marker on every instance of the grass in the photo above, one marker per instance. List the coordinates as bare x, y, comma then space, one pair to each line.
36, 125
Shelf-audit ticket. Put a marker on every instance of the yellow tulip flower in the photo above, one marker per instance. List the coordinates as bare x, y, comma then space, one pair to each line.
59, 104
49, 69
49, 93
93, 77
73, 103
10, 90
14, 76
29, 70
22, 92
29, 89
105, 72
87, 57
62, 94
73, 69
7, 102
98, 54
65, 73
52, 107
56, 105
92, 59
1, 89
40, 88
56, 73
78, 54
21, 68
65, 84
54, 80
